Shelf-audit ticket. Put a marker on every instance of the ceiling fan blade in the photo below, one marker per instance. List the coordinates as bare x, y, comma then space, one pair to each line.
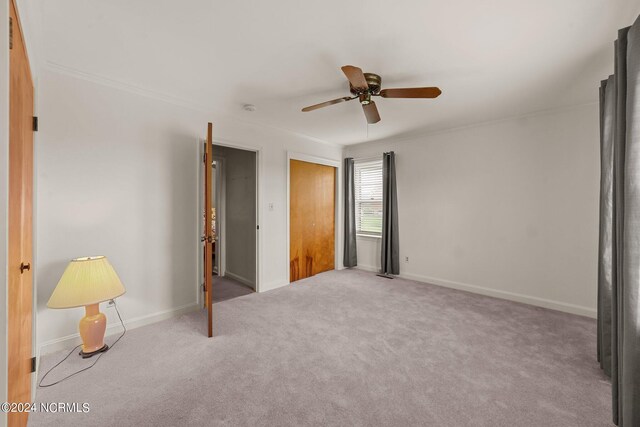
411, 92
371, 112
326, 104
356, 78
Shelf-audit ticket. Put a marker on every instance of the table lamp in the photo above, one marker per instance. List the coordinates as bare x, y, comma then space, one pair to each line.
87, 282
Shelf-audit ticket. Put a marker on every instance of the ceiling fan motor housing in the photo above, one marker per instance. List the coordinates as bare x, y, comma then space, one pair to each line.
373, 80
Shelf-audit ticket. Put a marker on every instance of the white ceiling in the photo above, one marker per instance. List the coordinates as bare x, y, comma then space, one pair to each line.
492, 58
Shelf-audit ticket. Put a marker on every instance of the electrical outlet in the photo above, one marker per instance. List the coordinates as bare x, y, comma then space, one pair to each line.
271, 206
406, 259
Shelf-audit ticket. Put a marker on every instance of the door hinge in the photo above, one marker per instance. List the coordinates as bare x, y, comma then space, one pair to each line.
33, 364
257, 227
35, 123
10, 33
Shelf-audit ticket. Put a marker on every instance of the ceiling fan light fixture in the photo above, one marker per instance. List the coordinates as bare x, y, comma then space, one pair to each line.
365, 98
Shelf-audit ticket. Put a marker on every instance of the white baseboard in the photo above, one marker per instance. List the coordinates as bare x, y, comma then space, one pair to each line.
271, 286
70, 341
496, 293
240, 279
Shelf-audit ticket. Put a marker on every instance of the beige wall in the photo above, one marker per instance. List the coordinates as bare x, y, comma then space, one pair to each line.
508, 208
119, 175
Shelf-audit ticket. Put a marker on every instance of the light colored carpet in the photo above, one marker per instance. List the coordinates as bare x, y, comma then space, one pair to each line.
347, 348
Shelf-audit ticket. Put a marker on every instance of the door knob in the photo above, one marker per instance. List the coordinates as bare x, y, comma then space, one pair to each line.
24, 267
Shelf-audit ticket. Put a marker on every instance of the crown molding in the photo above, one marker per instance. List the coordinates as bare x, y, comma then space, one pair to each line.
445, 130
189, 104
170, 99
126, 87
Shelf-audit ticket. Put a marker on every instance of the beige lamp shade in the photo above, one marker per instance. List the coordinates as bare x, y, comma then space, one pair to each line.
86, 281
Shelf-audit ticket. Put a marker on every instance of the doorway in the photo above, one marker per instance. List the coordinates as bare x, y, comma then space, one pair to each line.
235, 222
215, 219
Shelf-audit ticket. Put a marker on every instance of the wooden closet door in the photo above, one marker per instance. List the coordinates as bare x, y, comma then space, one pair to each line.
20, 271
311, 219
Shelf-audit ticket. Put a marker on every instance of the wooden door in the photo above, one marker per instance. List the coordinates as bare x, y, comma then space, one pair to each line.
311, 219
208, 229
20, 274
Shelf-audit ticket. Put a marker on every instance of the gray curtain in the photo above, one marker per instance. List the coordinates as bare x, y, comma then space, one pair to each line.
628, 314
605, 264
390, 253
350, 251
619, 154
619, 252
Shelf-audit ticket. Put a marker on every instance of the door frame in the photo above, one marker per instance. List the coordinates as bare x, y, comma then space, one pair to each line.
337, 164
199, 224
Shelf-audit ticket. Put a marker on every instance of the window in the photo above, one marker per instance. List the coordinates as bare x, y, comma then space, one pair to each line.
368, 187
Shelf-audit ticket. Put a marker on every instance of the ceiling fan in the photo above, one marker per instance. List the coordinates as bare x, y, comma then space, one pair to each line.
365, 85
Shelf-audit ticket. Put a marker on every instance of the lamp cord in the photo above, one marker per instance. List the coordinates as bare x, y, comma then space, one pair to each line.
124, 331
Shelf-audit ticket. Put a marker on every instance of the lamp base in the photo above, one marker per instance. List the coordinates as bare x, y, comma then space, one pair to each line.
86, 355
92, 327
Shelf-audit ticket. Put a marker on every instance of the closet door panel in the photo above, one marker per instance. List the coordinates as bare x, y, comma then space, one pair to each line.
311, 219
324, 230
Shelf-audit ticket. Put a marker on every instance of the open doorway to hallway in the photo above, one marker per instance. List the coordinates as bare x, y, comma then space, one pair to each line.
234, 221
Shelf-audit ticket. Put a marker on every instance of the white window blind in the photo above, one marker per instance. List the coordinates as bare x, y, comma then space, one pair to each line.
368, 186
